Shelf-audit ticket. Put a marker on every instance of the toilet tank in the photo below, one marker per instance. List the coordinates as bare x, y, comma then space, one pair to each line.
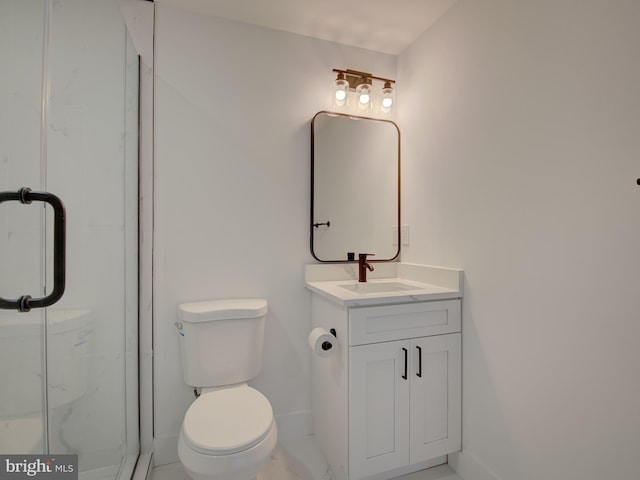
221, 341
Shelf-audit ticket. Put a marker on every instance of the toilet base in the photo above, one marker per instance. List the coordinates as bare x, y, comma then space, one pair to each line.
243, 465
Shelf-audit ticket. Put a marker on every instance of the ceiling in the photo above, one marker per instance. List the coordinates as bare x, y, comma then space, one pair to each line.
387, 26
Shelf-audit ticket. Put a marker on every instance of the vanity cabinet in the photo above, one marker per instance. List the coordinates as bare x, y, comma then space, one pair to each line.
404, 403
388, 401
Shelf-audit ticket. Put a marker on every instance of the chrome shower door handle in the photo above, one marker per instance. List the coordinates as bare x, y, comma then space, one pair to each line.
26, 302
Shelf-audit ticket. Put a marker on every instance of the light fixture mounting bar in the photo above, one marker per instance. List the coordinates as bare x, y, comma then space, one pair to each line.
355, 77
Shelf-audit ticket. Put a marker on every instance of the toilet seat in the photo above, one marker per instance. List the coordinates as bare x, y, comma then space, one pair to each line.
227, 421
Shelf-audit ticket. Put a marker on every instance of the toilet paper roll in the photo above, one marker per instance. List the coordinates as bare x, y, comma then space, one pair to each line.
322, 343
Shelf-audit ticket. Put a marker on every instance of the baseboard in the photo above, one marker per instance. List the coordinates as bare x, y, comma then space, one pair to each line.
468, 467
290, 425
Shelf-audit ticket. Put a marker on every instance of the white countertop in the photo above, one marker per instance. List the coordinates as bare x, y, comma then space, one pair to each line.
401, 283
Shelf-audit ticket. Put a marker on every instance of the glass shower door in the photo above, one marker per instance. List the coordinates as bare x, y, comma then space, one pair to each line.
68, 125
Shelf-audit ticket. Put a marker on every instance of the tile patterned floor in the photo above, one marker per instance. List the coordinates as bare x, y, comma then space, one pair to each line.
300, 459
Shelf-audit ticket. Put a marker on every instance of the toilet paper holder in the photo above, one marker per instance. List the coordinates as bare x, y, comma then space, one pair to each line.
328, 345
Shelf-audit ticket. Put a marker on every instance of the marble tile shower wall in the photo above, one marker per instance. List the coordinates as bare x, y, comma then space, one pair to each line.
21, 38
20, 106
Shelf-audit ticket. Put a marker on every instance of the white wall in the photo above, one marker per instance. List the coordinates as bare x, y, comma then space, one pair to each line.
233, 106
521, 145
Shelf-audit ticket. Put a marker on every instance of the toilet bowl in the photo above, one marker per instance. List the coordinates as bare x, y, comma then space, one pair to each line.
228, 432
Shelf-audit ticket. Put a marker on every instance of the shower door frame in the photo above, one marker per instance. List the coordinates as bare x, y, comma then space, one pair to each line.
139, 17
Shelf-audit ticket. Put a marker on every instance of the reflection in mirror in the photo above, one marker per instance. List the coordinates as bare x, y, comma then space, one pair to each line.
355, 187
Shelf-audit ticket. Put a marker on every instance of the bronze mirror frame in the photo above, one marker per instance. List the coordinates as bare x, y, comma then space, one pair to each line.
314, 225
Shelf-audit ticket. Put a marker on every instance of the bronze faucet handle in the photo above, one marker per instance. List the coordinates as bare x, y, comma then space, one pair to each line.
363, 265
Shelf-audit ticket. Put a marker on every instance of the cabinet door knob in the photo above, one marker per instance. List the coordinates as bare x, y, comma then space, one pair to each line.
406, 361
419, 374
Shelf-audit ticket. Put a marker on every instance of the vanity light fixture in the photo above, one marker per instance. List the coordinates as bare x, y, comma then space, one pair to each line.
361, 83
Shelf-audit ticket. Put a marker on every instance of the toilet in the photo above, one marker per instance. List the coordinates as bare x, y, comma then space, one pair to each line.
228, 432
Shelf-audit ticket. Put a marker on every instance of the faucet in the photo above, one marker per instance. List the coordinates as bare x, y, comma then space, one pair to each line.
362, 266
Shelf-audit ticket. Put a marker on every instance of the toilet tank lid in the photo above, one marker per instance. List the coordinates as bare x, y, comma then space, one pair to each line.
222, 309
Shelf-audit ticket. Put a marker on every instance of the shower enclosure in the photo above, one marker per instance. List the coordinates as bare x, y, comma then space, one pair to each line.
68, 126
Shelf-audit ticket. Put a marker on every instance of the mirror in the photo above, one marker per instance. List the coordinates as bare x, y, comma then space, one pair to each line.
355, 188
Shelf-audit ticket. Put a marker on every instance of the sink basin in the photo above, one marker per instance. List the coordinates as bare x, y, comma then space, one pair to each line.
378, 287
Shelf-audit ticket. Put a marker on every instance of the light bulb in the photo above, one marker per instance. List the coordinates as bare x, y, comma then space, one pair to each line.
364, 96
387, 98
340, 97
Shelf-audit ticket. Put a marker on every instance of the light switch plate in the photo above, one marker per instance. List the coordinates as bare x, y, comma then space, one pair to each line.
404, 234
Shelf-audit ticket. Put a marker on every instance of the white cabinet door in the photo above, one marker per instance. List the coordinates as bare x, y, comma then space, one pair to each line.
378, 408
435, 396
